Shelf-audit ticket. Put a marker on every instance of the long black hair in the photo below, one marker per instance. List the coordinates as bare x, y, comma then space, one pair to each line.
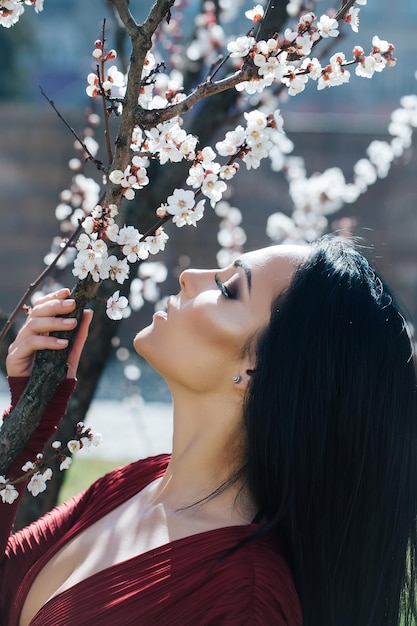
331, 425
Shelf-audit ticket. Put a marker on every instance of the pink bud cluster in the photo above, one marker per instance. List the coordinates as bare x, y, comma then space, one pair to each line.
105, 81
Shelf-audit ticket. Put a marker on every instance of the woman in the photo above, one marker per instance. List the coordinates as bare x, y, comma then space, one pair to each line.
290, 496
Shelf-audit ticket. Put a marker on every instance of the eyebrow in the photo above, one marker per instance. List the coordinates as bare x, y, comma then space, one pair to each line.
247, 271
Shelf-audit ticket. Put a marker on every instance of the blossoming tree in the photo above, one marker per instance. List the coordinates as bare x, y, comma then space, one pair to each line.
149, 121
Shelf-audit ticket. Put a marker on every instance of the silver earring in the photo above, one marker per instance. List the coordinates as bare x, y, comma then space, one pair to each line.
237, 379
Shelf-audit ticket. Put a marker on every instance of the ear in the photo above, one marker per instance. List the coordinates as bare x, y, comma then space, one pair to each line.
243, 376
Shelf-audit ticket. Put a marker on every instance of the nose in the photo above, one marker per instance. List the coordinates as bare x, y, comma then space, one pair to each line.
193, 281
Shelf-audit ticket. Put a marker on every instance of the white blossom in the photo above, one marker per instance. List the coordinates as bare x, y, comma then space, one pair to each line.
281, 228
116, 305
11, 12
195, 176
255, 14
116, 177
233, 140
180, 201
381, 155
313, 67
213, 188
369, 65
156, 242
207, 159
227, 172
133, 248
154, 270
240, 47
114, 78
304, 45
65, 463
254, 86
8, 492
294, 7
290, 35
37, 4
365, 174
74, 445
83, 242
28, 466
118, 269
256, 119
328, 26
112, 231
307, 19
37, 483
295, 81
128, 235
189, 217
352, 18
96, 439
334, 74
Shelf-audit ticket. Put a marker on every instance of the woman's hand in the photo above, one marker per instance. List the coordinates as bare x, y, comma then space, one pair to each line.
34, 334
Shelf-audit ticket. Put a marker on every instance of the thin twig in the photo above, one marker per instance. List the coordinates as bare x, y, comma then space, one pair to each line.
32, 287
151, 231
99, 165
104, 100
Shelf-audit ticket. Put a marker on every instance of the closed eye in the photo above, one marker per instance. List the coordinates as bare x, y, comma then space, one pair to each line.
232, 294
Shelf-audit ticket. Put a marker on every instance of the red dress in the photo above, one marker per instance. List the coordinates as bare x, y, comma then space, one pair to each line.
185, 582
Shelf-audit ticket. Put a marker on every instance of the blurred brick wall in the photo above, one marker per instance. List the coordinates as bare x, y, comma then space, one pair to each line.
34, 149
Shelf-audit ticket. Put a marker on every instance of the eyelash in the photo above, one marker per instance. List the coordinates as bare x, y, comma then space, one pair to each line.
227, 293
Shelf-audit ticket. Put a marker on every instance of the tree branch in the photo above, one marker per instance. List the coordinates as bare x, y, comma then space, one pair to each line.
99, 165
340, 14
150, 118
122, 8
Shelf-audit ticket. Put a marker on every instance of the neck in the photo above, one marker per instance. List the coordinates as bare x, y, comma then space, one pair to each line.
207, 454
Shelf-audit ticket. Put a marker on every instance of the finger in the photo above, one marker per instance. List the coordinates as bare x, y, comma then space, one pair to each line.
52, 307
44, 325
42, 318
60, 294
34, 343
79, 342
19, 361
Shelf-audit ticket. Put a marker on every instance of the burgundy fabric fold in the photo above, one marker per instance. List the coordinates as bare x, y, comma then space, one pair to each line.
184, 582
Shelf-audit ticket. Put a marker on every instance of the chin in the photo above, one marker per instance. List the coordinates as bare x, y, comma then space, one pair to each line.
141, 340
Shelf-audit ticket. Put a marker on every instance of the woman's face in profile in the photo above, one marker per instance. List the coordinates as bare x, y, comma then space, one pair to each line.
199, 340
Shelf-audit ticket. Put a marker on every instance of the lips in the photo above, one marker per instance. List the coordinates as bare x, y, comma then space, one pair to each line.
162, 314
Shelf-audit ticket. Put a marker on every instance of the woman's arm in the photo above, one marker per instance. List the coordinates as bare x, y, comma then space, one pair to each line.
33, 336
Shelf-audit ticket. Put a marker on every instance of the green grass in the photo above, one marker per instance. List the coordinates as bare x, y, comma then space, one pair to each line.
82, 473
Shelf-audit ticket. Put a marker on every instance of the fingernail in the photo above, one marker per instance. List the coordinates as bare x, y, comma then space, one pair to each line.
69, 321
62, 341
68, 303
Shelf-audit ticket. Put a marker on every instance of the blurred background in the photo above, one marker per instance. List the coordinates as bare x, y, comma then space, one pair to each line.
329, 128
